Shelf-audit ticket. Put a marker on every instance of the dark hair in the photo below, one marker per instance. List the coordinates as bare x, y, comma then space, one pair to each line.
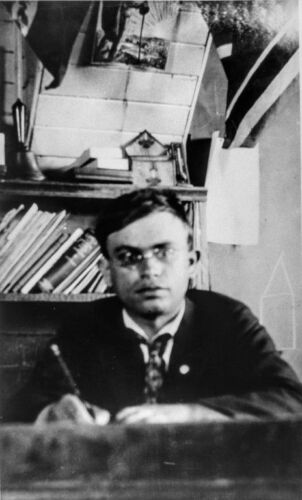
135, 205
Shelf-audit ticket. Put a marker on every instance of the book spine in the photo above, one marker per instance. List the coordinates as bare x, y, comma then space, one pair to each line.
105, 172
17, 229
4, 238
81, 276
23, 251
90, 275
23, 221
52, 261
20, 245
101, 285
75, 255
77, 271
104, 178
53, 244
36, 249
9, 217
95, 282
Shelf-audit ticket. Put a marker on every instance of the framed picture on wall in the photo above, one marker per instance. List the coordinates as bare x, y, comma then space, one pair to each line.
134, 33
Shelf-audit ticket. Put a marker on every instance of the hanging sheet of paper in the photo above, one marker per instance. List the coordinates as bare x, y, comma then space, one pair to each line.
233, 194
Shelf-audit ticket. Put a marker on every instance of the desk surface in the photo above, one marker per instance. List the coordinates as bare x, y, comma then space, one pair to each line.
223, 461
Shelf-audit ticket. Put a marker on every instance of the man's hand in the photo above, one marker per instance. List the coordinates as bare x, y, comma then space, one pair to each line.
71, 409
168, 414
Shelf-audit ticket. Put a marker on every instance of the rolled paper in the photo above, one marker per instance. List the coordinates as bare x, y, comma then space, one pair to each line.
2, 149
19, 116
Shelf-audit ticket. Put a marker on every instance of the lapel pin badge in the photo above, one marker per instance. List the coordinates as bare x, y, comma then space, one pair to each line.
184, 369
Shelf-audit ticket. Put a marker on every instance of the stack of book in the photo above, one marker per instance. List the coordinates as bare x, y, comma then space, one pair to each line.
102, 165
39, 254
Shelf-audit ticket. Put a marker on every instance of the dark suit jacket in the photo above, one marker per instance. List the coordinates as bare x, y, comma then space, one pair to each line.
233, 364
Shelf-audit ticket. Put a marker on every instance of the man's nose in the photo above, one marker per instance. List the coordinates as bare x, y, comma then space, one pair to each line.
150, 265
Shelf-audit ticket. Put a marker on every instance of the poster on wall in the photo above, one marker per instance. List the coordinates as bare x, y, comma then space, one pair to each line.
134, 33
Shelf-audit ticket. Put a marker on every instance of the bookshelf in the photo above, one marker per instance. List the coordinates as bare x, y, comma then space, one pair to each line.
50, 297
29, 321
83, 202
76, 190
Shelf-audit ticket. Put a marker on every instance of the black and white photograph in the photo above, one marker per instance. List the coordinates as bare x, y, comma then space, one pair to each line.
150, 250
133, 33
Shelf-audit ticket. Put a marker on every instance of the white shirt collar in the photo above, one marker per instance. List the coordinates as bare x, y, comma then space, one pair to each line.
171, 327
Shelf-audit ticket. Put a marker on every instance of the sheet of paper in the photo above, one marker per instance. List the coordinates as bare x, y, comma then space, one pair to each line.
233, 194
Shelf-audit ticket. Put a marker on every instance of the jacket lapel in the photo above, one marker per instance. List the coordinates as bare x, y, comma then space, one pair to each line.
121, 360
189, 343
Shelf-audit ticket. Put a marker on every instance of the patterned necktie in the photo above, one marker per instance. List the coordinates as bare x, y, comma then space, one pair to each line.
155, 368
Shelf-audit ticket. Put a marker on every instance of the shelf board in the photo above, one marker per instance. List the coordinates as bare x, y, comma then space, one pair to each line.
97, 191
51, 297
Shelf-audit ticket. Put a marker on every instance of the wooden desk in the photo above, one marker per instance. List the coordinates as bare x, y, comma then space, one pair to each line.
242, 461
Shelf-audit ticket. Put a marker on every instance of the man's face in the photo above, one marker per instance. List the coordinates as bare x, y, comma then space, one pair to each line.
150, 265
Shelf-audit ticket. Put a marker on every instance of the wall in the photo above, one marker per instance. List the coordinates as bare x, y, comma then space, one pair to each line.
107, 105
268, 276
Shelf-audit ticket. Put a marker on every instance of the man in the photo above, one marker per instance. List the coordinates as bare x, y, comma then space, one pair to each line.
217, 362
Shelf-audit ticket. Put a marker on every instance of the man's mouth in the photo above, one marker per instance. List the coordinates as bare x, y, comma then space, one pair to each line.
150, 290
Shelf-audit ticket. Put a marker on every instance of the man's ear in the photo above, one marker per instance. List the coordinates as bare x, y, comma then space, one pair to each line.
194, 257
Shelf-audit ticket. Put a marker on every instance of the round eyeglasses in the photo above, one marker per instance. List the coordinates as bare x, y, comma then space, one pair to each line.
132, 257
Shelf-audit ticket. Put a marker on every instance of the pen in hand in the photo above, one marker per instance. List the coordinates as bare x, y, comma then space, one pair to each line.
70, 380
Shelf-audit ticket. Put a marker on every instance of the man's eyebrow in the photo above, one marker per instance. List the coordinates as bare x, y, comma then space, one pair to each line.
127, 247
137, 249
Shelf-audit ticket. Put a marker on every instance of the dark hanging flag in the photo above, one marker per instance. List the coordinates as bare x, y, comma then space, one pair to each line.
50, 28
257, 42
113, 19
